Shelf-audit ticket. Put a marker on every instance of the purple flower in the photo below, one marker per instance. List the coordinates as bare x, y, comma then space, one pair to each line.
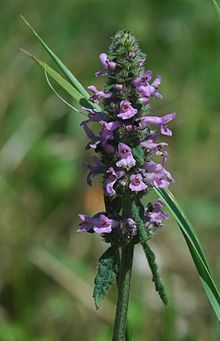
101, 141
87, 223
157, 175
127, 161
143, 80
137, 184
157, 147
108, 148
97, 168
149, 90
154, 215
99, 223
109, 182
94, 116
98, 94
126, 110
106, 63
94, 140
158, 121
108, 129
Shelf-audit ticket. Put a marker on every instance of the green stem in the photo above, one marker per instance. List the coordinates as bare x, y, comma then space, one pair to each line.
124, 282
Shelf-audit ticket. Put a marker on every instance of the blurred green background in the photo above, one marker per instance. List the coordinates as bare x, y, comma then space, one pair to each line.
46, 268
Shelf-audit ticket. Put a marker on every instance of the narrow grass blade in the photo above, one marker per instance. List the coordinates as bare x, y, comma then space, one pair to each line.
72, 79
194, 248
75, 94
216, 7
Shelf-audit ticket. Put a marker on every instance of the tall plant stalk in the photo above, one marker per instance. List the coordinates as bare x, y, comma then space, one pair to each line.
124, 284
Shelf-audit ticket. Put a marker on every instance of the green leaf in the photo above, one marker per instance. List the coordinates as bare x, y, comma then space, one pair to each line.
194, 248
72, 79
75, 94
154, 269
57, 77
137, 213
138, 153
107, 272
216, 7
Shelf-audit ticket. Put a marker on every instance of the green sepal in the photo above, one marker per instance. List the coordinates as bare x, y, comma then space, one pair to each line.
154, 269
139, 155
107, 272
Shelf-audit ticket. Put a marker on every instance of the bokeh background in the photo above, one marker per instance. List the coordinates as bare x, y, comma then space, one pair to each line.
46, 268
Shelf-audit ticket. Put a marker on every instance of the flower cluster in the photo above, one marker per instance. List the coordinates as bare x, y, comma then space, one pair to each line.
127, 141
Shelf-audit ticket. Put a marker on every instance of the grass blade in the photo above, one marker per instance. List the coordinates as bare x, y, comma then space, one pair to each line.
194, 248
58, 78
75, 94
216, 7
72, 79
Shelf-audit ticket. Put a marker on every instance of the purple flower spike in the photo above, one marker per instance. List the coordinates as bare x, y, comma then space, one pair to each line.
97, 95
99, 224
127, 161
137, 184
106, 63
109, 182
158, 121
126, 110
154, 215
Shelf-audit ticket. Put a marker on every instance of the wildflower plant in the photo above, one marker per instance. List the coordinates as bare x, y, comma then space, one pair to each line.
129, 155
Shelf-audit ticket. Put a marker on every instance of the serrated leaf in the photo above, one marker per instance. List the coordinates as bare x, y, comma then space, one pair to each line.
194, 248
155, 273
107, 272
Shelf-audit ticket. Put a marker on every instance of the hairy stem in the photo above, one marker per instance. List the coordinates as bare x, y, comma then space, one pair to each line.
124, 281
